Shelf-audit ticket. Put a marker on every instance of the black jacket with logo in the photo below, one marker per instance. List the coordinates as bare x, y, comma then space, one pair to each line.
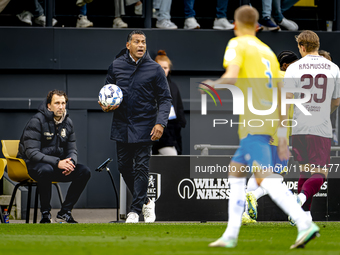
146, 97
44, 141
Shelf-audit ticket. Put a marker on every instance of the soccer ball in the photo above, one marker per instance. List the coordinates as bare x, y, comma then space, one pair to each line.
110, 94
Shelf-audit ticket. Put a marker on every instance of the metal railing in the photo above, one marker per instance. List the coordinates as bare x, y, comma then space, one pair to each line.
204, 148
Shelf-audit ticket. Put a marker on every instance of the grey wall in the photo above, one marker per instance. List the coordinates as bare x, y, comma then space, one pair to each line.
94, 49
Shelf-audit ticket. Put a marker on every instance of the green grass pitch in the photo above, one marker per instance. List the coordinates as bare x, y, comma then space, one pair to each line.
159, 238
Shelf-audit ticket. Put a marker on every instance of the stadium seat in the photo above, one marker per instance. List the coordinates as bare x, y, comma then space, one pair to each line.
3, 163
17, 171
309, 3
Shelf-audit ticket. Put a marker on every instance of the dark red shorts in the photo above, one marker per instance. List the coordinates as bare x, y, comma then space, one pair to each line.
312, 149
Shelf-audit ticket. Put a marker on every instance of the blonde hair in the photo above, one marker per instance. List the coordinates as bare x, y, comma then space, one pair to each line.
309, 40
161, 56
247, 16
325, 54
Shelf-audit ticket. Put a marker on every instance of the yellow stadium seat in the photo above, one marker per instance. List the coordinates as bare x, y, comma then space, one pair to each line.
306, 3
3, 163
17, 171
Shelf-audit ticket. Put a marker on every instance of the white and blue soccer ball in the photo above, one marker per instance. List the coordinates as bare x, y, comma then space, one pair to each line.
110, 94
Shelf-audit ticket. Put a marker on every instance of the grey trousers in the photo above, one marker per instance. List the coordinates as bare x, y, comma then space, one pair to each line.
120, 6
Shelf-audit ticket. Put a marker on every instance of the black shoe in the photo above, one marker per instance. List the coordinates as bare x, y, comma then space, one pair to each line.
45, 217
268, 24
65, 217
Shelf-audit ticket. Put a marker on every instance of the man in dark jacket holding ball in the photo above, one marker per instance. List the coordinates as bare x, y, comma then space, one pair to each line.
139, 119
48, 146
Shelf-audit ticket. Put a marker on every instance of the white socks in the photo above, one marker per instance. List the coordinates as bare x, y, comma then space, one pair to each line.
283, 198
308, 214
303, 198
235, 207
252, 184
259, 192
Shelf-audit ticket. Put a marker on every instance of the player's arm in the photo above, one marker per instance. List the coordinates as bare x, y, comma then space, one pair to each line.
336, 93
335, 104
282, 148
229, 77
232, 61
289, 82
289, 95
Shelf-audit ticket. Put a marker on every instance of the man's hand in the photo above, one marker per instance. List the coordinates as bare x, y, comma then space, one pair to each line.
108, 108
156, 132
282, 149
66, 165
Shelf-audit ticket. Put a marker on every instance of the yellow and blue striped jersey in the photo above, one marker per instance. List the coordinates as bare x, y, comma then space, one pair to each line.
259, 70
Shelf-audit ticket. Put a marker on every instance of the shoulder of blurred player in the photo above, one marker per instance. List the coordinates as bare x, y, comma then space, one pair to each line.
292, 67
233, 52
281, 74
234, 39
331, 63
